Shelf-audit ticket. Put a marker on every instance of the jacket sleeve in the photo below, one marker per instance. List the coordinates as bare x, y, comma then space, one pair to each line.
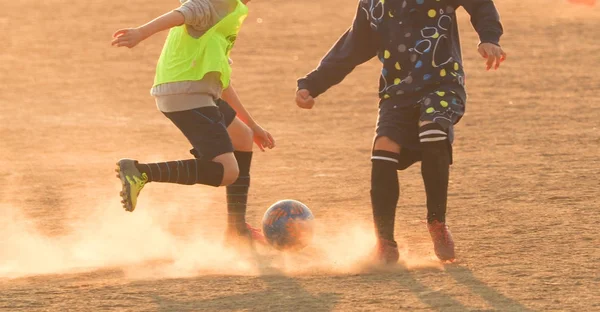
356, 46
485, 19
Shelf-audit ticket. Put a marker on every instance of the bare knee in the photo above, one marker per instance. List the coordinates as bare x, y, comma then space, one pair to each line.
230, 175
230, 168
384, 143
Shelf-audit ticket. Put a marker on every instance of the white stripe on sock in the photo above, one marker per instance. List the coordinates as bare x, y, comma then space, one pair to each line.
433, 139
428, 132
384, 158
187, 166
150, 168
159, 172
168, 170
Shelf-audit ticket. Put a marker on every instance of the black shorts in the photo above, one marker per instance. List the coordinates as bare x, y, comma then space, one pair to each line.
206, 129
399, 119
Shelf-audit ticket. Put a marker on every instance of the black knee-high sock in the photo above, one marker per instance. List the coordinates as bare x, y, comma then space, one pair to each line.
385, 191
435, 168
188, 172
237, 193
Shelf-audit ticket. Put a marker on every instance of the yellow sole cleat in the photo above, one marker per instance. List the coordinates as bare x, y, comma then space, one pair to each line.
132, 182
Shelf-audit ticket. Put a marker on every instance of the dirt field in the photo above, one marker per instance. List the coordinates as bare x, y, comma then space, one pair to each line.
523, 206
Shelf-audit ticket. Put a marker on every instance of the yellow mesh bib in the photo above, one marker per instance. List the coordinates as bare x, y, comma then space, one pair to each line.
185, 58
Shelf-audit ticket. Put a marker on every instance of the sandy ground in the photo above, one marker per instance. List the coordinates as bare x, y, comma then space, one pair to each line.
523, 205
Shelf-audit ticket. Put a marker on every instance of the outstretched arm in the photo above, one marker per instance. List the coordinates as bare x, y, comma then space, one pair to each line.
130, 37
356, 46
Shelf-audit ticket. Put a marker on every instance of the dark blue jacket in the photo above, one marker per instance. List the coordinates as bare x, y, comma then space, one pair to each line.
416, 40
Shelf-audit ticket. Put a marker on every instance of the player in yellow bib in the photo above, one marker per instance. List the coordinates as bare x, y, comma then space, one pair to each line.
192, 88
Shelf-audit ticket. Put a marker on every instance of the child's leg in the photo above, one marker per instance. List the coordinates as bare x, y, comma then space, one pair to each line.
439, 111
219, 171
393, 150
435, 168
237, 192
385, 189
215, 163
395, 136
386, 161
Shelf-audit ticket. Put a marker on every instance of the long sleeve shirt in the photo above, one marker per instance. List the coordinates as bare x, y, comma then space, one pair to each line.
417, 42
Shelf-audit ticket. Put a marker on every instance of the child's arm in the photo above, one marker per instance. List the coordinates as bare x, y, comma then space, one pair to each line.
358, 45
262, 138
130, 37
486, 21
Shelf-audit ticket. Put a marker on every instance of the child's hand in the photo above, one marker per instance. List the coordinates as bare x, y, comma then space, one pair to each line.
304, 100
262, 138
129, 37
493, 54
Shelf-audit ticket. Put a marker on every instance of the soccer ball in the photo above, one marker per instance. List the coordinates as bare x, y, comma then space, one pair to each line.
288, 225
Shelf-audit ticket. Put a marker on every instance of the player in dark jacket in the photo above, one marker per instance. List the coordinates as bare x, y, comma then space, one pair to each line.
422, 96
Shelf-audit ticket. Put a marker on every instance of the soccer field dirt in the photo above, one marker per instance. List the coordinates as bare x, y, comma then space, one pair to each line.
523, 203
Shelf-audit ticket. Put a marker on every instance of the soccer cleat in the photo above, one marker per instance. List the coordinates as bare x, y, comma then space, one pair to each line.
443, 244
247, 235
256, 235
386, 252
132, 181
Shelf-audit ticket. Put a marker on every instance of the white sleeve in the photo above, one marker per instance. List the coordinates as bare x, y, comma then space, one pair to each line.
197, 13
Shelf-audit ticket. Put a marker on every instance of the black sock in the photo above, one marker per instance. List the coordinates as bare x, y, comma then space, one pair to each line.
237, 193
435, 168
385, 191
188, 172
